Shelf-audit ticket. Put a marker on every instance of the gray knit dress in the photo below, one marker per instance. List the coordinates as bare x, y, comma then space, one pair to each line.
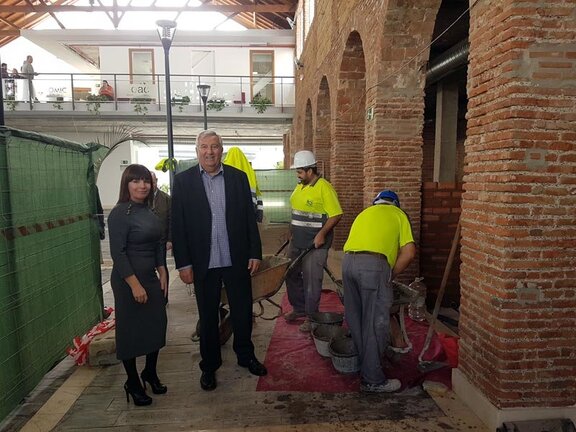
135, 247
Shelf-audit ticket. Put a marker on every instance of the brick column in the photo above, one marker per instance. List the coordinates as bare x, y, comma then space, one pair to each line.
308, 130
347, 157
518, 274
322, 128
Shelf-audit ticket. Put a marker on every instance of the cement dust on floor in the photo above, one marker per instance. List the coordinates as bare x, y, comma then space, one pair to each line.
236, 405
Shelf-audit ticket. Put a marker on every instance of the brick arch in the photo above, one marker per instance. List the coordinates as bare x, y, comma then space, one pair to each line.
347, 153
308, 129
323, 126
394, 137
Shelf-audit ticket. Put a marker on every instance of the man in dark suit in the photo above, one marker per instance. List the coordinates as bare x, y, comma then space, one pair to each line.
215, 240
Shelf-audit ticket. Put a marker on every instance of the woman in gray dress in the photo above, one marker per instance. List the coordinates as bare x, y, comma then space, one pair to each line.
138, 281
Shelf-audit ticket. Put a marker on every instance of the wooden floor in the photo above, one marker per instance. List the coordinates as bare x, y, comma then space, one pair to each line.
92, 399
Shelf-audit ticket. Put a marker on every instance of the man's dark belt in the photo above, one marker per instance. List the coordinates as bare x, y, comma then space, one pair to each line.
379, 255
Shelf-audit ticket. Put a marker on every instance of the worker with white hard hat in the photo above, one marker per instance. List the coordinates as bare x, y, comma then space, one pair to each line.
315, 212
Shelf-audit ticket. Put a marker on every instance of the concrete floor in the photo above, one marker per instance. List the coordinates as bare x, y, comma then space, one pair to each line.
85, 398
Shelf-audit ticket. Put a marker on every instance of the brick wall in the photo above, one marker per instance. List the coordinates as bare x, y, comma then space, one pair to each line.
441, 206
307, 143
356, 52
518, 274
322, 128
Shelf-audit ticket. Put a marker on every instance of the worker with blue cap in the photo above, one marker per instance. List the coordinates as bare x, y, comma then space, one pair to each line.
379, 247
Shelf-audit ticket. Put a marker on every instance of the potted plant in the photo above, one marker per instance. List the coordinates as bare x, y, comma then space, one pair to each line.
180, 101
260, 103
140, 105
11, 102
216, 104
93, 103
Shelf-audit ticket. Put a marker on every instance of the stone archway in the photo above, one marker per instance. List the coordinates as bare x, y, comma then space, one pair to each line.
347, 152
322, 127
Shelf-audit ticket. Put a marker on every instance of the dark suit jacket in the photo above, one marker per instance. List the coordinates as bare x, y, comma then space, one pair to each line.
192, 221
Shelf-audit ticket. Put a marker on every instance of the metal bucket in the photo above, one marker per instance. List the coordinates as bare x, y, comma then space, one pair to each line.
344, 355
323, 334
329, 318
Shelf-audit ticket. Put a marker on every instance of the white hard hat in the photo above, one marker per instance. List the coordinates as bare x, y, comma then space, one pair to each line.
304, 158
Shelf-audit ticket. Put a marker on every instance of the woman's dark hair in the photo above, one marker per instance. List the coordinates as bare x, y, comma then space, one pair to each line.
134, 172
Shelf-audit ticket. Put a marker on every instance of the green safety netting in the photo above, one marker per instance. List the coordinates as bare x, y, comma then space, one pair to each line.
276, 186
50, 283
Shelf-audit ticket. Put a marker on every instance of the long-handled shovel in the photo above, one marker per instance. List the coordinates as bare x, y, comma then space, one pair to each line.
429, 365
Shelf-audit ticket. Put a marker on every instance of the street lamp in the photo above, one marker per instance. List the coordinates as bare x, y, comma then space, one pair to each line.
204, 90
166, 30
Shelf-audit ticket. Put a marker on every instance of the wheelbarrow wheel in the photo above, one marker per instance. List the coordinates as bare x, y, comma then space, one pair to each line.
225, 327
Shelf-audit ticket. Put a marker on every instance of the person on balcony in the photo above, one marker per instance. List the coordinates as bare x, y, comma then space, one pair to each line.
106, 90
29, 74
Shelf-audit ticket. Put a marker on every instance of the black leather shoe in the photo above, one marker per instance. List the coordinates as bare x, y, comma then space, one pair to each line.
255, 367
208, 381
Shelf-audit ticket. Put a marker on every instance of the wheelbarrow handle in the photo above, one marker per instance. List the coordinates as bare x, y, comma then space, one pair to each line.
282, 247
299, 258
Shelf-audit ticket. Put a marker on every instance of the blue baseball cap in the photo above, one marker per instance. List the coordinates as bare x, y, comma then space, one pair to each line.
387, 197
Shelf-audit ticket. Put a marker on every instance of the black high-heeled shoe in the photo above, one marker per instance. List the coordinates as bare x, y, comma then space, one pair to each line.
138, 394
155, 384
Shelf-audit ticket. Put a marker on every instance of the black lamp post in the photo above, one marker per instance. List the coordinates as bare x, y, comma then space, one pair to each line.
166, 30
204, 90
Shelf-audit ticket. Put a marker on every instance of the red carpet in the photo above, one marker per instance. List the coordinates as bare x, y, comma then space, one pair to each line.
294, 365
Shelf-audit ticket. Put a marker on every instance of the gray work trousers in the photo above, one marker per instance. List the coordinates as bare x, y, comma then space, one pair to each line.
368, 298
304, 282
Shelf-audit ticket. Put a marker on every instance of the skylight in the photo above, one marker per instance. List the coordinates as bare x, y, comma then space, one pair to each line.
141, 20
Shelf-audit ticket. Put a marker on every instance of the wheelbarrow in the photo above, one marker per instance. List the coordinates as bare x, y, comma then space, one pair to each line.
266, 283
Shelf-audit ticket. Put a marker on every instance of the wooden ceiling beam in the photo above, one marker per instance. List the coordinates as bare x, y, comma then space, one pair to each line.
228, 9
7, 33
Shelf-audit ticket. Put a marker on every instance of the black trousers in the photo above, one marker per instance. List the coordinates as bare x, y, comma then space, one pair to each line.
239, 292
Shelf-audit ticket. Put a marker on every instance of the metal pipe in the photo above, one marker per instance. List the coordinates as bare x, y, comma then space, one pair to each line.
169, 111
448, 62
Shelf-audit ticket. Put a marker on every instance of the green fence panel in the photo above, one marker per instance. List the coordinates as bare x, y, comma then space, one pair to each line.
50, 288
276, 186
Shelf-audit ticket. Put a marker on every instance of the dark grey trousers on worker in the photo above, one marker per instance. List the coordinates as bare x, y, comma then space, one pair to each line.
367, 301
304, 282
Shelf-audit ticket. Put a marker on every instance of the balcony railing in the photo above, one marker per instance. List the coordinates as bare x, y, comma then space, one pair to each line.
144, 94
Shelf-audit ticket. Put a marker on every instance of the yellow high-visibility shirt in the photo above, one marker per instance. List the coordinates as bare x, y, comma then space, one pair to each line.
312, 205
381, 228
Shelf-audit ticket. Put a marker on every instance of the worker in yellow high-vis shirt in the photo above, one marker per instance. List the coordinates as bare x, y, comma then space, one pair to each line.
236, 158
379, 247
315, 212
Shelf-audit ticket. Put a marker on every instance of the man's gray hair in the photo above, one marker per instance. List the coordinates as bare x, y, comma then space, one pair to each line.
208, 133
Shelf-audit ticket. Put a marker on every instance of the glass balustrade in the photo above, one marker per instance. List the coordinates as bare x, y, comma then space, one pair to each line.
143, 94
